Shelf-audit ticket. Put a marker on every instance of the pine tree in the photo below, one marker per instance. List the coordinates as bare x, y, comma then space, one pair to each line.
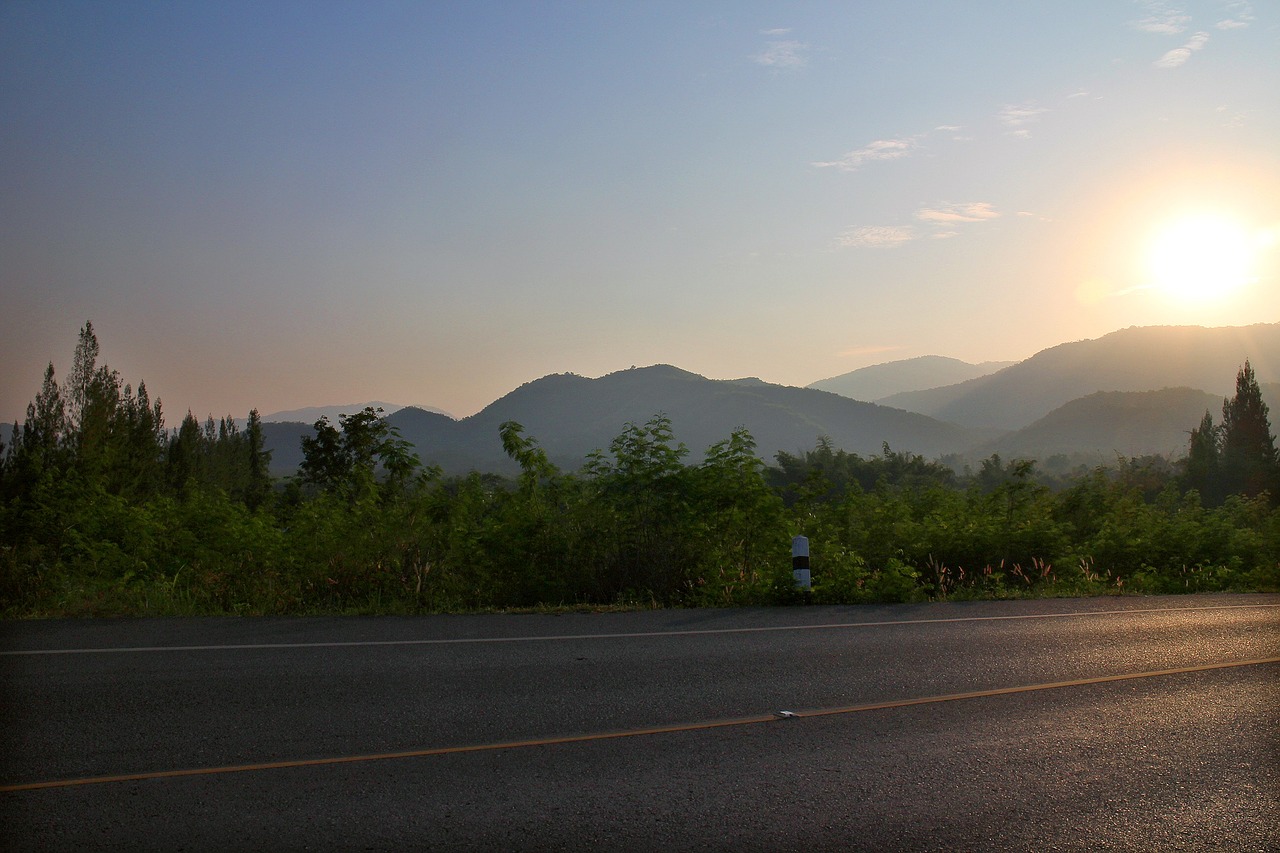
83, 366
185, 465
1249, 461
258, 488
40, 448
1202, 467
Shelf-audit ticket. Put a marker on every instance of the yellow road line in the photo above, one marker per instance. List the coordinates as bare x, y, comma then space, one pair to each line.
642, 732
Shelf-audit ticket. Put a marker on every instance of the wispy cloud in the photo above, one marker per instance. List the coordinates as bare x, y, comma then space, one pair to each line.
976, 211
1162, 18
1241, 13
881, 149
782, 53
876, 237
942, 220
1234, 118
1016, 117
1180, 55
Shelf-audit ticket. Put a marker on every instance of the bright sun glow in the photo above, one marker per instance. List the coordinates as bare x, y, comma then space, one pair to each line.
1202, 258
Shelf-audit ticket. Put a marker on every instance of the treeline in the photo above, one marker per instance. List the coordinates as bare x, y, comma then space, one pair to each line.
104, 510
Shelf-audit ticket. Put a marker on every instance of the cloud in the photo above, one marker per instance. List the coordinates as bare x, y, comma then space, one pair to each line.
1241, 13
1016, 117
1162, 19
977, 211
1180, 55
881, 149
1234, 119
782, 54
943, 218
876, 237
778, 31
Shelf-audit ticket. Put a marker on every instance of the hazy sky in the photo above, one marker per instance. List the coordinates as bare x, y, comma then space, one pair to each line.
278, 204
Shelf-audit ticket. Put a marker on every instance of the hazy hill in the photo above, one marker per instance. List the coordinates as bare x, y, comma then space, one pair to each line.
312, 414
1134, 359
571, 415
1108, 424
912, 374
1119, 423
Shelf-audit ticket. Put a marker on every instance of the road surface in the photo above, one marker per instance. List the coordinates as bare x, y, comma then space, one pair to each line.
1099, 724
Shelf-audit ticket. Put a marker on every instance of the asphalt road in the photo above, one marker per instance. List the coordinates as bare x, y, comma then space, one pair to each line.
1100, 724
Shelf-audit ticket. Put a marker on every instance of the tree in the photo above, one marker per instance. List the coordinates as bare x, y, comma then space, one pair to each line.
1249, 462
83, 367
45, 431
39, 449
185, 463
258, 487
1202, 468
742, 528
645, 493
534, 465
136, 448
348, 461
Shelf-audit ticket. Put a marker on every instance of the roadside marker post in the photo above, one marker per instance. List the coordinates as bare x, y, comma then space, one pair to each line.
800, 561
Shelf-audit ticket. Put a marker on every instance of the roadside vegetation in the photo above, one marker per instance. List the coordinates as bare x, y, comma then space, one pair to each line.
106, 511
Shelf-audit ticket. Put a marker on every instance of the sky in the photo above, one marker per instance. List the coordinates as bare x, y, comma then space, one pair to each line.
287, 204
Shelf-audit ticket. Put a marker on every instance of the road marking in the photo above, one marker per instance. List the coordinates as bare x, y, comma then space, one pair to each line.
620, 636
559, 740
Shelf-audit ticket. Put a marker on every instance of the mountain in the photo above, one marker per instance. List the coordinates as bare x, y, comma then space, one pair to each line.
314, 413
1102, 426
913, 374
1134, 359
284, 440
571, 416
1108, 424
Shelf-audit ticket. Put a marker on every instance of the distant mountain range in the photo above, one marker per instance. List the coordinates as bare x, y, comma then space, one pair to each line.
314, 413
571, 416
1148, 358
1134, 392
878, 381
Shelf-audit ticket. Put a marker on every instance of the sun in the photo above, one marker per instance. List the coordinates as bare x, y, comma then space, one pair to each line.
1202, 258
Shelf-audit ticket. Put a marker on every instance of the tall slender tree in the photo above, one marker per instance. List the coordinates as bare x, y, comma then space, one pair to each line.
1202, 468
83, 366
1249, 461
258, 483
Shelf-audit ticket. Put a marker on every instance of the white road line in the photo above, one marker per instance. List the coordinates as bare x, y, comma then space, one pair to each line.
622, 635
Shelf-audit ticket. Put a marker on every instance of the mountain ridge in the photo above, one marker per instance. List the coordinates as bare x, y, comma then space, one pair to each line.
879, 381
311, 414
1168, 377
1139, 358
